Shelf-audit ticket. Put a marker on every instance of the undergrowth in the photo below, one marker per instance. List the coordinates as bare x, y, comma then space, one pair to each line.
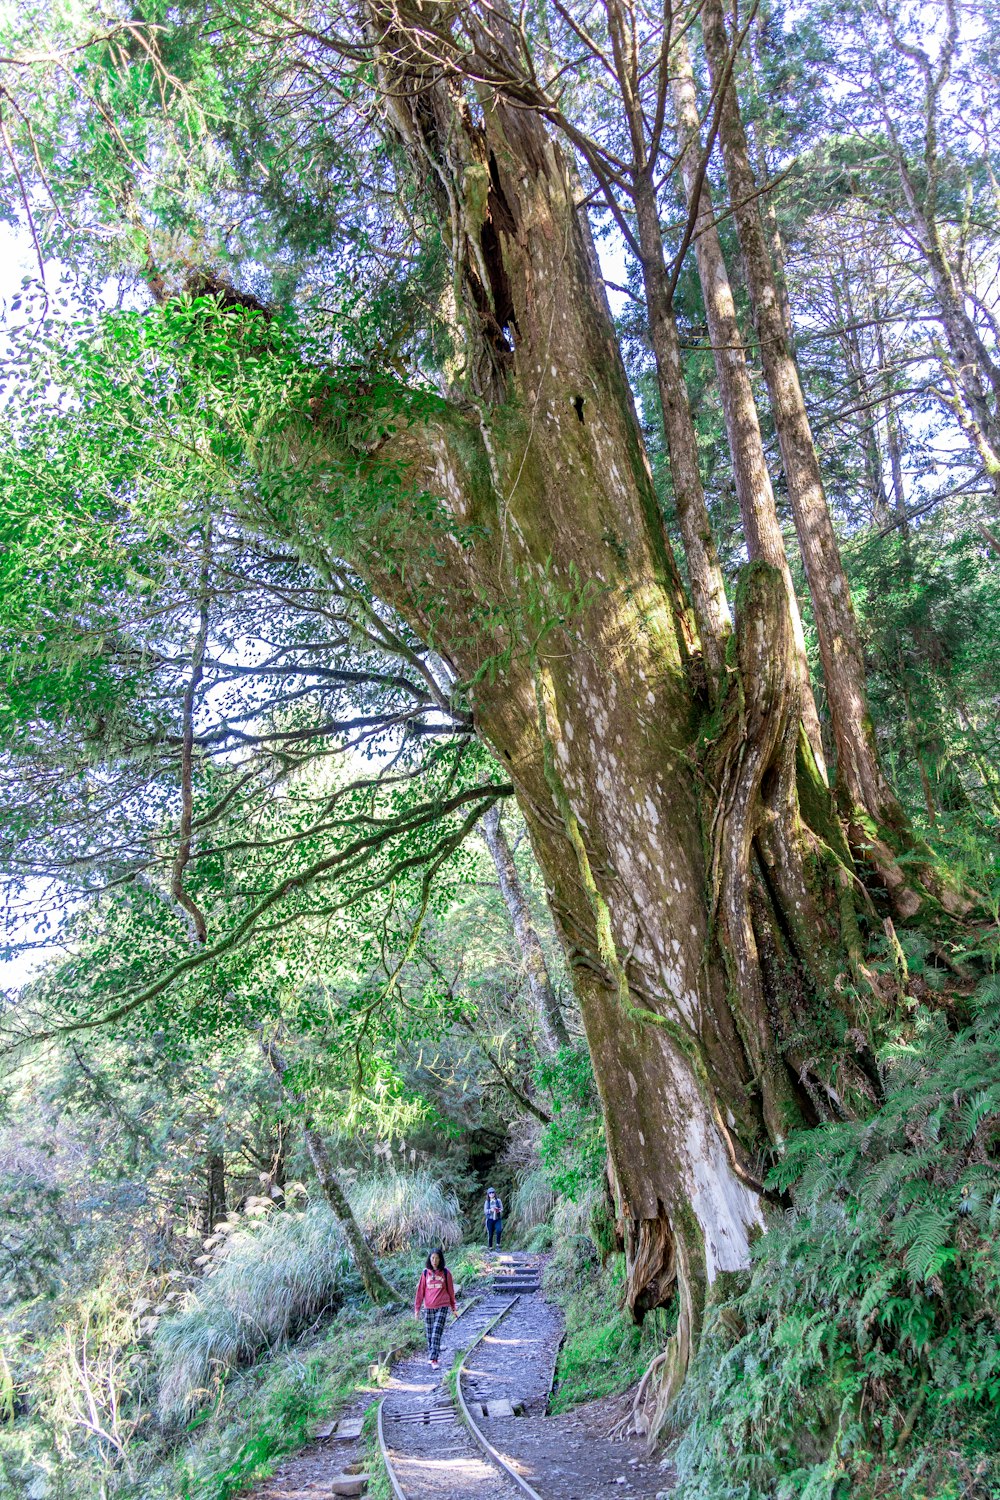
603, 1352
271, 1411
862, 1359
274, 1278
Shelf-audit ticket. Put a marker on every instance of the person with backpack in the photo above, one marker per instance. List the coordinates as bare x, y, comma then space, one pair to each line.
435, 1294
493, 1217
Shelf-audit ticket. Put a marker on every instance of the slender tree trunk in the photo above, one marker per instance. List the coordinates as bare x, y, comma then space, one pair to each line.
968, 413
381, 1291
867, 401
976, 374
761, 526
892, 433
708, 594
278, 1169
215, 1198
529, 944
708, 589
772, 229
878, 826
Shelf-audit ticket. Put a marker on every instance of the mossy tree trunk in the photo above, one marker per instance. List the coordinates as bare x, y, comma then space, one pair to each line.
706, 926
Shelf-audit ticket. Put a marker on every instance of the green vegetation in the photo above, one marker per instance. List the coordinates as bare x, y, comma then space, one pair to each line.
411, 762
603, 1353
862, 1358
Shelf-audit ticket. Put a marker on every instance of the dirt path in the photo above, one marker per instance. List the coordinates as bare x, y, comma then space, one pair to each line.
432, 1454
561, 1458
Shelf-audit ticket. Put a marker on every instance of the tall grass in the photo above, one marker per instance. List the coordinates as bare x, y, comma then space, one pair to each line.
533, 1200
274, 1277
399, 1209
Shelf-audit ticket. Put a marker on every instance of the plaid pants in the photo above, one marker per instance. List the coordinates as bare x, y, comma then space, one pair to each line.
434, 1320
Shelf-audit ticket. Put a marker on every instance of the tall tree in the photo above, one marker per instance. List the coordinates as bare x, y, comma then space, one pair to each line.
483, 481
878, 825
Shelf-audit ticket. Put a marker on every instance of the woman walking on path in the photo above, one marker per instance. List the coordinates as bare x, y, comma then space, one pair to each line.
435, 1294
493, 1215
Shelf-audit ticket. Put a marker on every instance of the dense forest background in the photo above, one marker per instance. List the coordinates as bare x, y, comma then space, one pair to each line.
500, 592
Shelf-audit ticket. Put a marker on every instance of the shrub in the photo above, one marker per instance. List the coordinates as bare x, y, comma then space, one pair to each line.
863, 1357
399, 1209
604, 1352
572, 1146
275, 1276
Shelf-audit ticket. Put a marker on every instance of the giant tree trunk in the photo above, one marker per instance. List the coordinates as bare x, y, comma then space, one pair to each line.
876, 820
545, 580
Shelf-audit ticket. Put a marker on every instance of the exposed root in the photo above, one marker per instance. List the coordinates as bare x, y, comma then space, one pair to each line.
637, 1422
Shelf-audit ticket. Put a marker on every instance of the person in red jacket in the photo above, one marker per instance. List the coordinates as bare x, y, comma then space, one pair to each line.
435, 1294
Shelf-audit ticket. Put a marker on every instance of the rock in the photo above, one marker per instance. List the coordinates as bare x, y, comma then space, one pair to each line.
324, 1429
499, 1408
348, 1484
349, 1429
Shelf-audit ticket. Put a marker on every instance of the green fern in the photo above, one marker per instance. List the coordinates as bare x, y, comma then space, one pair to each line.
869, 1364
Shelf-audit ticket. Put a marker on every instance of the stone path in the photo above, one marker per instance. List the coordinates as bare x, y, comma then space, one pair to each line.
561, 1458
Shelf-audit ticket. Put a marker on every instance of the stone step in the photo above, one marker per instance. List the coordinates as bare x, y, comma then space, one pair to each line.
347, 1429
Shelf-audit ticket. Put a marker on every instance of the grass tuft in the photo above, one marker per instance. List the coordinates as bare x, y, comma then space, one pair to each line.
274, 1278
400, 1209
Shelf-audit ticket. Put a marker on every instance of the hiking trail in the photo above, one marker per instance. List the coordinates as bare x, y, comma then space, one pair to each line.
477, 1427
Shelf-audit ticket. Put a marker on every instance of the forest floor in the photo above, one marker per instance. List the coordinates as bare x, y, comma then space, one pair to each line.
433, 1453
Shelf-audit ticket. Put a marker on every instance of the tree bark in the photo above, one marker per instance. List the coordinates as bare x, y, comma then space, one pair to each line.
708, 589
381, 1292
215, 1197
892, 434
761, 526
975, 373
545, 581
551, 539
878, 826
529, 944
